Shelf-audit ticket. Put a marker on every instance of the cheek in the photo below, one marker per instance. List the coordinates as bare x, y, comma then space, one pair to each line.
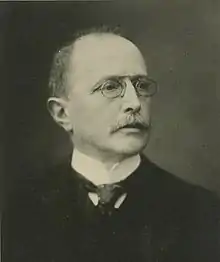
82, 116
93, 114
146, 107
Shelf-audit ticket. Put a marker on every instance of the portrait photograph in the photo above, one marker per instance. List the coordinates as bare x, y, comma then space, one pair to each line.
110, 123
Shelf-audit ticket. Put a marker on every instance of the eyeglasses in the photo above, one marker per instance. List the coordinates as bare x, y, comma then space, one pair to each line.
115, 87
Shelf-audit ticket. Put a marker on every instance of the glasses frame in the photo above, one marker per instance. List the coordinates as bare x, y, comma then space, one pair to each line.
123, 84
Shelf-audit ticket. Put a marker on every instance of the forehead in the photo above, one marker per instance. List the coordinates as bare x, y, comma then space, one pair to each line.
100, 56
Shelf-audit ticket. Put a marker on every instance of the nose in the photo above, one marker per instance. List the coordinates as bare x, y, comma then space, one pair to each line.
131, 102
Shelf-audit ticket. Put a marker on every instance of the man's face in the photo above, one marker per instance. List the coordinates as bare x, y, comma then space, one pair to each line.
96, 119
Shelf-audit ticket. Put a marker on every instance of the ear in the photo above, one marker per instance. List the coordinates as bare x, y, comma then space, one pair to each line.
58, 108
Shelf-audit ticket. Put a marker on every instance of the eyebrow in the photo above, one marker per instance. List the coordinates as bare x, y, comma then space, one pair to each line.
123, 76
113, 77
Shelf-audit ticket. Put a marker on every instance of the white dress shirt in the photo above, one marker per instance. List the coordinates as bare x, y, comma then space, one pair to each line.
96, 172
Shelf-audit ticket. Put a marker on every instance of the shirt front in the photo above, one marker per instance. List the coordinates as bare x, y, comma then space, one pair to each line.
96, 172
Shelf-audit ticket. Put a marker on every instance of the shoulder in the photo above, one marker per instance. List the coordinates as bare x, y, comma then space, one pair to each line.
176, 190
37, 185
172, 200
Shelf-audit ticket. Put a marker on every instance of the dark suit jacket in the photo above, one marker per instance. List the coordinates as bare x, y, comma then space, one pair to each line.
163, 219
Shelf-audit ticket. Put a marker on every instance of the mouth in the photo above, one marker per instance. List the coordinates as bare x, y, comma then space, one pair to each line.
135, 126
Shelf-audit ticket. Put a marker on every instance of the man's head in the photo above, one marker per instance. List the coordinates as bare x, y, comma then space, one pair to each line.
101, 95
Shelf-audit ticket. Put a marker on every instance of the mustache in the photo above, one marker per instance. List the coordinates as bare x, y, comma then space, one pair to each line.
131, 121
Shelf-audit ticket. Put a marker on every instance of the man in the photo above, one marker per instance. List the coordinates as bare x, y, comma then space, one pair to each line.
109, 202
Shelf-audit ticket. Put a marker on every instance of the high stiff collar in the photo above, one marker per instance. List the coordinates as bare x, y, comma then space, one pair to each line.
96, 172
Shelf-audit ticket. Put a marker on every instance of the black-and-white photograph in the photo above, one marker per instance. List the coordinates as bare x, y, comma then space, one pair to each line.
111, 122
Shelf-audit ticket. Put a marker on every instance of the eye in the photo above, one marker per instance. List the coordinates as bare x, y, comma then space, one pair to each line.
111, 86
145, 86
142, 83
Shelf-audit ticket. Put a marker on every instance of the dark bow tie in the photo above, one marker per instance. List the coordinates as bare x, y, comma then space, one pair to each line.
108, 194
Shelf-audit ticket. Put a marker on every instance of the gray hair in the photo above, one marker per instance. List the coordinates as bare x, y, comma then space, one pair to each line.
61, 60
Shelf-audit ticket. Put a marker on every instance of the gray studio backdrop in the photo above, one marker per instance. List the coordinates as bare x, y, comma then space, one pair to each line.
181, 43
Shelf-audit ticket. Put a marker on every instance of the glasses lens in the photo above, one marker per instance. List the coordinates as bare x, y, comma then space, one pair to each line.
145, 86
111, 88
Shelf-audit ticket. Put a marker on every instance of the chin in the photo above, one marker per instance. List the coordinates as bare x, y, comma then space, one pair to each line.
130, 146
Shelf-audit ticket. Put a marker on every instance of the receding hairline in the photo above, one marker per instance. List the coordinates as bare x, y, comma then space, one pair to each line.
94, 38
59, 80
101, 34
